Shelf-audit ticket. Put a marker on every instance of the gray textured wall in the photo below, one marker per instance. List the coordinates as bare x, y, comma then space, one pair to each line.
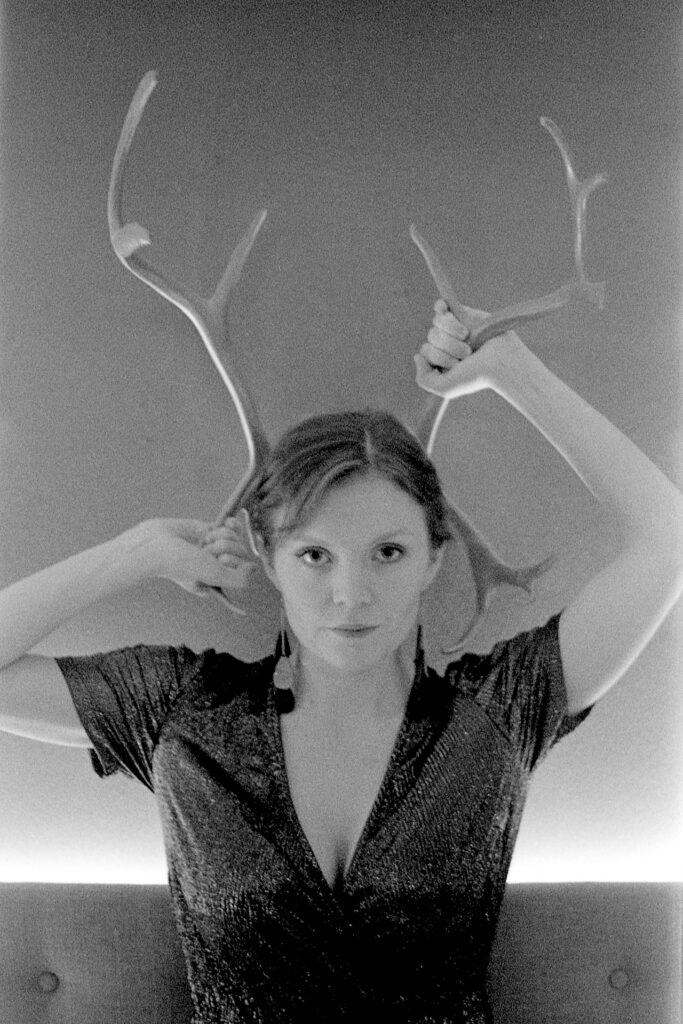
348, 121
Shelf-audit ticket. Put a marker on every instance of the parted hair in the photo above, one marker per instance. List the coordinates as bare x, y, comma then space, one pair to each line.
327, 450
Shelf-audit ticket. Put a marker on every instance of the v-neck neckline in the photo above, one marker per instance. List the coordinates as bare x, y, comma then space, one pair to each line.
395, 758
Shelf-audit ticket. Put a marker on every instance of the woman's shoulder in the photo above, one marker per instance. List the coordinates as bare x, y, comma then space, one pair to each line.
218, 676
164, 669
527, 652
519, 684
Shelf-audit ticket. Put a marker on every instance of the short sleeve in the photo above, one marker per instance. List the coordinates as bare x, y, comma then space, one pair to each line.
520, 684
123, 699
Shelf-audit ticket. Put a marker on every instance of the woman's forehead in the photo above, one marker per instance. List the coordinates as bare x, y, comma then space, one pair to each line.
369, 508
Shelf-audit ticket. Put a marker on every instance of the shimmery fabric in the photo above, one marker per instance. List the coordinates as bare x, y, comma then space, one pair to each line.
406, 938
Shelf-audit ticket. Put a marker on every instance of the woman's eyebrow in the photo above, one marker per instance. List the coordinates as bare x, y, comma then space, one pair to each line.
310, 539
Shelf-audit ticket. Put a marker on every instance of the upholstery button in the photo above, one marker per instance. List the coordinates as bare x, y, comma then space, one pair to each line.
618, 978
48, 982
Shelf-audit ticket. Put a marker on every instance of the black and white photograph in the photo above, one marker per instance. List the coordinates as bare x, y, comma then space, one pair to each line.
341, 512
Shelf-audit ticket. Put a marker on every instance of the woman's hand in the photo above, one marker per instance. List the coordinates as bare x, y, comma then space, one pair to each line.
447, 366
198, 556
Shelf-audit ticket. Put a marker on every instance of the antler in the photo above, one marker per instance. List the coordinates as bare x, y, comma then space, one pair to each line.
489, 572
521, 312
209, 316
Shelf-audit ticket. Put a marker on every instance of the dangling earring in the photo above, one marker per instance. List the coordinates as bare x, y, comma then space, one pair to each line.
284, 675
419, 654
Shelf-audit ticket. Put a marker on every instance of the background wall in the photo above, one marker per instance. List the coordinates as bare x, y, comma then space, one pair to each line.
348, 121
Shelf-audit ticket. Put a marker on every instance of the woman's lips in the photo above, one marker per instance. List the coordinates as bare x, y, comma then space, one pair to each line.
354, 631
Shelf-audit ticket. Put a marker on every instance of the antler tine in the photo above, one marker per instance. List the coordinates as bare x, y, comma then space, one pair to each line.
436, 407
521, 312
489, 572
126, 239
579, 192
531, 309
208, 316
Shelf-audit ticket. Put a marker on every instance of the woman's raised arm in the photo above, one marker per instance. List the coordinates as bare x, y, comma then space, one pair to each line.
34, 700
606, 626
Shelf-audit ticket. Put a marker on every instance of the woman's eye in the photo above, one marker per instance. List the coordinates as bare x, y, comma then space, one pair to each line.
391, 552
316, 557
313, 556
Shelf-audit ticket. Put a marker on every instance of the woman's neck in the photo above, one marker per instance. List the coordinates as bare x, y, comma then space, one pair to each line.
379, 690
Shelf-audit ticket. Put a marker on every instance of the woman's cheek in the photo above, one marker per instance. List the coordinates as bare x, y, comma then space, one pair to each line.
304, 596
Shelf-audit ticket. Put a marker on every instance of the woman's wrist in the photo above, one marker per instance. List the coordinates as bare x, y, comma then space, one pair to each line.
515, 368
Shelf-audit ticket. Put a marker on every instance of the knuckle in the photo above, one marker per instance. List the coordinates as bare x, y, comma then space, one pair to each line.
437, 351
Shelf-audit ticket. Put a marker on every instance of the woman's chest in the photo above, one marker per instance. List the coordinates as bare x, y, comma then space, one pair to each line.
236, 796
334, 780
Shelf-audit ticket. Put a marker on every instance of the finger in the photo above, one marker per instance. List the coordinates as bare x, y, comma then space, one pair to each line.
230, 528
230, 523
230, 545
441, 306
228, 557
234, 562
224, 535
191, 530
426, 368
226, 577
239, 528
425, 375
437, 357
450, 325
453, 346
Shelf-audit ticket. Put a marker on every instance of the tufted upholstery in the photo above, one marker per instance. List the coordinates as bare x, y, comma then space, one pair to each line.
565, 954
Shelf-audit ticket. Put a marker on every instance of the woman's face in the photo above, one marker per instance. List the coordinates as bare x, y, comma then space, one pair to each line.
351, 577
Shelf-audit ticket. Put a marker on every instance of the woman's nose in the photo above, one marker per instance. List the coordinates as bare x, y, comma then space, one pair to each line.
351, 587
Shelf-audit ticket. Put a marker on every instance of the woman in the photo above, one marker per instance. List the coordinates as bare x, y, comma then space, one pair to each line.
338, 818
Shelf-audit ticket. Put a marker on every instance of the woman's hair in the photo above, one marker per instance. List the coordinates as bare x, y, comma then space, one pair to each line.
325, 451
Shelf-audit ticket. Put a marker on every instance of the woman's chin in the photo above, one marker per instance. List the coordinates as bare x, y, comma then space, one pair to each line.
349, 653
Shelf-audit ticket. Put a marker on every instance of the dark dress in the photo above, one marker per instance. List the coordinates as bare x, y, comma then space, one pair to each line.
407, 936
